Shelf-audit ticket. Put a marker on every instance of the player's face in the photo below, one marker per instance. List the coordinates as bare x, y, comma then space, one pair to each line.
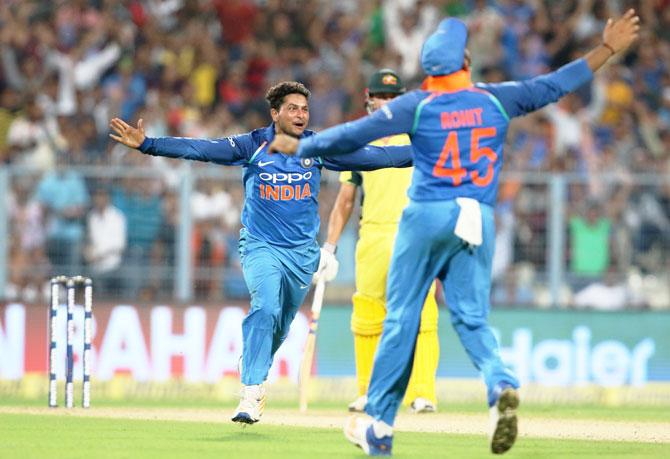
292, 116
377, 101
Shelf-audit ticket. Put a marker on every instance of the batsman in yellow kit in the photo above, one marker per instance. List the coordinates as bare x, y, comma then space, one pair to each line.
384, 198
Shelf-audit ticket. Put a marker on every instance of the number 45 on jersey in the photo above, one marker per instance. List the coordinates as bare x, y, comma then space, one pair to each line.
458, 171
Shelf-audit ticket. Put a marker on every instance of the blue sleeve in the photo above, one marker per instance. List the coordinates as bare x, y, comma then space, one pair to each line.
370, 158
396, 117
229, 151
521, 97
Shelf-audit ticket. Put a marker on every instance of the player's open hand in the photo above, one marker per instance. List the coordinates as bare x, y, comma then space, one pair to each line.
284, 144
126, 134
619, 34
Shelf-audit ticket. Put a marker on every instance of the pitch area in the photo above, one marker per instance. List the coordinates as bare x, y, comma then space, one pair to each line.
148, 432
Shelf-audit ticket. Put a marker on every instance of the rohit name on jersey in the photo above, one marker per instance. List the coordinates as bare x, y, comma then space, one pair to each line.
285, 186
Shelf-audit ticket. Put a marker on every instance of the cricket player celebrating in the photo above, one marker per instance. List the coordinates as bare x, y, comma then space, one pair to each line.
384, 198
278, 248
447, 230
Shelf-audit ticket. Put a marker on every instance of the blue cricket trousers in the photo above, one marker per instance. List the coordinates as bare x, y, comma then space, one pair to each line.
427, 248
278, 280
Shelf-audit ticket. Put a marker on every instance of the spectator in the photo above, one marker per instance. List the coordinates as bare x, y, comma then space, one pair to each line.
163, 252
141, 205
200, 69
27, 240
408, 23
608, 294
63, 196
590, 234
9, 106
327, 101
106, 242
485, 26
515, 289
504, 243
237, 20
127, 86
34, 138
214, 215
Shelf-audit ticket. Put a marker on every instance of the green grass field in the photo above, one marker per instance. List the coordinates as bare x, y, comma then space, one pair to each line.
26, 436
28, 430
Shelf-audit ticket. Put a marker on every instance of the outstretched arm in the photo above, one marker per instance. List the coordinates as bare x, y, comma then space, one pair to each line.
518, 98
370, 157
227, 151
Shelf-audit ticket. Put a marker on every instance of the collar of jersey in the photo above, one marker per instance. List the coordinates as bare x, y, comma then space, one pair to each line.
448, 83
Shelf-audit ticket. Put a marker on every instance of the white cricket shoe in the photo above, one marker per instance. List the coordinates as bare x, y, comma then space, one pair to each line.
504, 423
360, 430
358, 405
422, 405
252, 405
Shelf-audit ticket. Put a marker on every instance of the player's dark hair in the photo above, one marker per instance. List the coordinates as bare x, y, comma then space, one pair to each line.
275, 95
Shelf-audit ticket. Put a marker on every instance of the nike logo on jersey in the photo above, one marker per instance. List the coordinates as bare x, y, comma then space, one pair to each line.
261, 163
303, 287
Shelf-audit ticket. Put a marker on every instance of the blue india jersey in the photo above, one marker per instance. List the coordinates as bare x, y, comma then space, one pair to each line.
457, 133
281, 196
280, 191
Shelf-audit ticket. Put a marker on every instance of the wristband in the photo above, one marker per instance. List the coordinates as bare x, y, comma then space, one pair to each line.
332, 248
610, 48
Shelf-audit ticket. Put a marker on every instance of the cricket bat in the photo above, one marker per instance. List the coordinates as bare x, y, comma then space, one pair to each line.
308, 355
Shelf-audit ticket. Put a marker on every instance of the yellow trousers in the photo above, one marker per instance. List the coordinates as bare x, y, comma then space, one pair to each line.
373, 256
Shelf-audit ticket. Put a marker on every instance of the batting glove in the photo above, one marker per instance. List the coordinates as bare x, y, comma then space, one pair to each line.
328, 264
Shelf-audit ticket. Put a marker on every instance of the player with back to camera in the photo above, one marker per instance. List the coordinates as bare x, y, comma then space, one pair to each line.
447, 230
278, 248
384, 196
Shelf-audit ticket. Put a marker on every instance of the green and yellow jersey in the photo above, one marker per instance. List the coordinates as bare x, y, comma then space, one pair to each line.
384, 190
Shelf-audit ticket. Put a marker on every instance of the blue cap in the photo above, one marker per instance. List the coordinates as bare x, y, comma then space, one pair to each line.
443, 51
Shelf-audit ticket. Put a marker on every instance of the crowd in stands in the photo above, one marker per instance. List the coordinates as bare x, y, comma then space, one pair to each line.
200, 68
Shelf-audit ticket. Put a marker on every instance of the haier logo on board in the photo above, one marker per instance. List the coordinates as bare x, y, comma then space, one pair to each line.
577, 361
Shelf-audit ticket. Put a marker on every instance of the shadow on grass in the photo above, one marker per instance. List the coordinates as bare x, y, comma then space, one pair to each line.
240, 436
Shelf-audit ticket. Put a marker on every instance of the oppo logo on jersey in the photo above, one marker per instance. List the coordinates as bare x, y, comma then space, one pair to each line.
287, 191
280, 177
